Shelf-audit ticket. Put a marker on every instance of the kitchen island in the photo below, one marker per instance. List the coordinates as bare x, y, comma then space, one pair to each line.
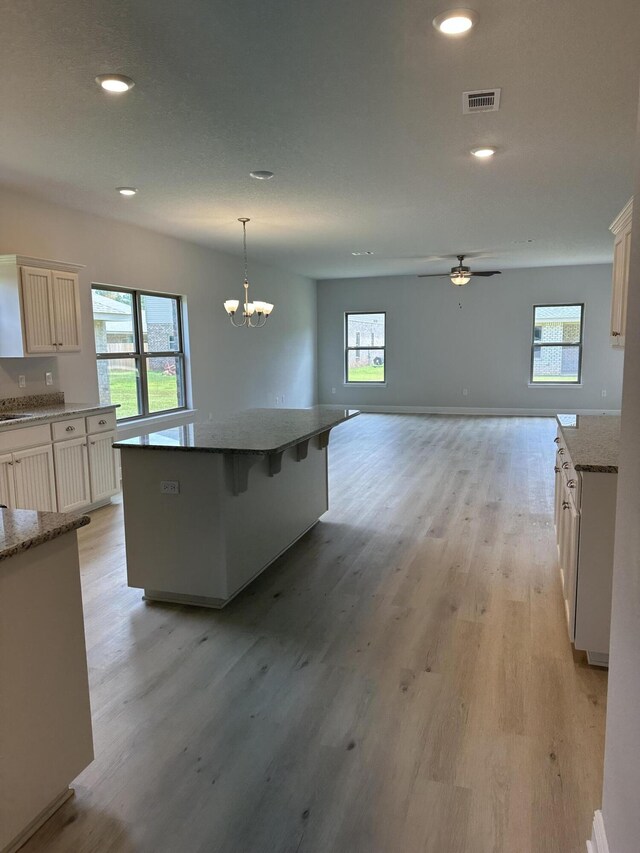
208, 506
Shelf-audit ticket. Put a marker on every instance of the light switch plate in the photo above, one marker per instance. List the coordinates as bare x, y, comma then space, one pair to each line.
48, 378
169, 487
22, 381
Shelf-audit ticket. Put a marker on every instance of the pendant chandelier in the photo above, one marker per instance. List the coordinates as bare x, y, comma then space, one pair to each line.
254, 314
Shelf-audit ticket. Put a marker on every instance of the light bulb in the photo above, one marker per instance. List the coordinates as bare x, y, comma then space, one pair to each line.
115, 83
460, 279
231, 306
455, 21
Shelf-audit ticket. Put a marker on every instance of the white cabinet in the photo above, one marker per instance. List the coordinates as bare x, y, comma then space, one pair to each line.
51, 310
39, 307
7, 482
71, 471
35, 479
621, 229
585, 510
72, 474
102, 466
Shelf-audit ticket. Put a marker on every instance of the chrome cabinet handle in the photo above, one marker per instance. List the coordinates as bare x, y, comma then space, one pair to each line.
557, 439
10, 463
561, 451
616, 334
571, 484
102, 422
18, 461
556, 469
565, 465
565, 504
70, 429
92, 442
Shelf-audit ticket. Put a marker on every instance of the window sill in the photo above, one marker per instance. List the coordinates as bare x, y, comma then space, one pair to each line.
131, 429
364, 384
554, 384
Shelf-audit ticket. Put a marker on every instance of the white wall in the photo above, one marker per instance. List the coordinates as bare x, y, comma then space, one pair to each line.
231, 369
622, 749
435, 348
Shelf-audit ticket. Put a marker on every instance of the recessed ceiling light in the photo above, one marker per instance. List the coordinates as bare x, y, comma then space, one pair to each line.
261, 175
455, 21
127, 190
483, 153
115, 83
358, 254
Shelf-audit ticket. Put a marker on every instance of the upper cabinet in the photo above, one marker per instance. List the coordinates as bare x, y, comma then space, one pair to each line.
39, 307
621, 229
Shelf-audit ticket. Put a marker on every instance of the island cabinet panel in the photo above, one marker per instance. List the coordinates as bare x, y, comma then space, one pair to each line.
45, 715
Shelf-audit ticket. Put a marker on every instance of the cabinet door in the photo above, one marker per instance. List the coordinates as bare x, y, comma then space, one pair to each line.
7, 488
66, 308
35, 479
102, 466
624, 286
72, 474
37, 310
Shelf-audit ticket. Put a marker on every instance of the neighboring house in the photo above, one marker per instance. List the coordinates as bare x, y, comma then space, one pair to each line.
114, 332
366, 331
557, 324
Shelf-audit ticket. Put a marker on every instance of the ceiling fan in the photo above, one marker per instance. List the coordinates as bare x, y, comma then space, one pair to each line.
460, 275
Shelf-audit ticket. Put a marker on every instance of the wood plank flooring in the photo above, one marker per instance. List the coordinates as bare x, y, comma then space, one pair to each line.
400, 681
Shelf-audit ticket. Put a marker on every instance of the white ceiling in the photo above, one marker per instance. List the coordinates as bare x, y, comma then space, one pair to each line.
354, 104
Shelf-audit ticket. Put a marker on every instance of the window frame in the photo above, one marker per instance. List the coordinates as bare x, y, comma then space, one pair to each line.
140, 356
348, 349
539, 344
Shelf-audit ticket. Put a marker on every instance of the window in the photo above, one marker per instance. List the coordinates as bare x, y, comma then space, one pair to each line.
364, 362
556, 344
140, 351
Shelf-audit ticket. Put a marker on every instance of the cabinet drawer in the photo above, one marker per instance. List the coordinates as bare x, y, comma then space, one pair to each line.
16, 439
101, 423
63, 430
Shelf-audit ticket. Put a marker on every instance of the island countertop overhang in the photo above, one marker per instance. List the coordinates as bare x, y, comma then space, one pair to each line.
254, 431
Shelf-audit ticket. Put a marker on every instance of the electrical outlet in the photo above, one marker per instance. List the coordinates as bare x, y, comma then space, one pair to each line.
465, 392
169, 487
604, 392
48, 378
333, 390
22, 381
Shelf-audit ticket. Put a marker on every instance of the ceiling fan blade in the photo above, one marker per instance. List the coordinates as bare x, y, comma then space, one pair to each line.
488, 272
435, 275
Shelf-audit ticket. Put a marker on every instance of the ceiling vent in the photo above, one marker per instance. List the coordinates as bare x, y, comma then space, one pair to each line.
481, 101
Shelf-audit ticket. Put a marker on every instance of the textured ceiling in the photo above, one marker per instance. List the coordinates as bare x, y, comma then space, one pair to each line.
354, 104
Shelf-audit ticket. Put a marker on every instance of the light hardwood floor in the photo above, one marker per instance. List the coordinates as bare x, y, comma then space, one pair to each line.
400, 681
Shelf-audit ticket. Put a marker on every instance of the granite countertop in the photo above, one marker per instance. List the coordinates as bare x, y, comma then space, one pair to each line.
44, 407
593, 441
21, 529
253, 431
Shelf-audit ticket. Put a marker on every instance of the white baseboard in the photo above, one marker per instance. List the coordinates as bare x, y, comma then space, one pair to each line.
467, 410
598, 843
